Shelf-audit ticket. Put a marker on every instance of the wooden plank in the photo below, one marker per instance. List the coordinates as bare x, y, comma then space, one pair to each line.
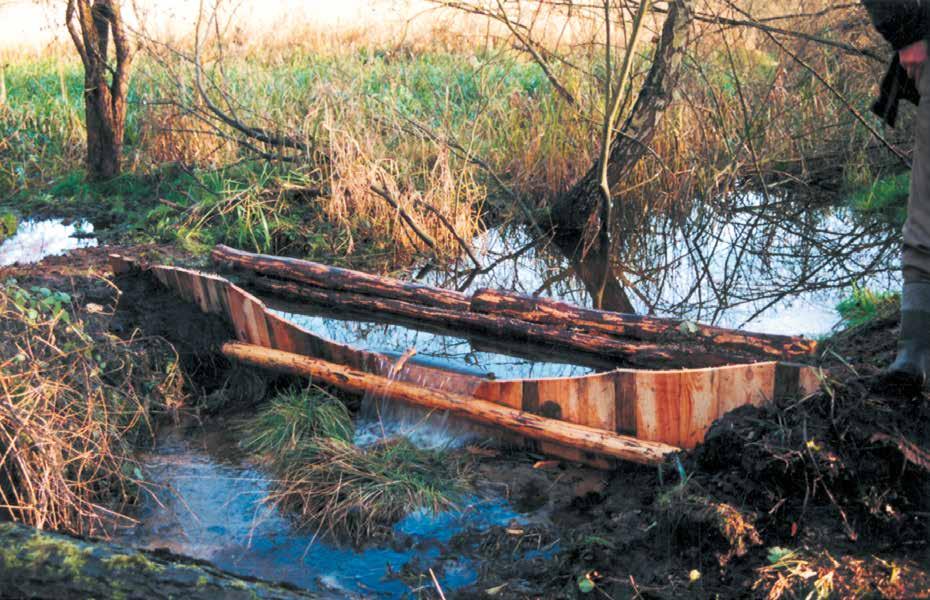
698, 405
625, 397
588, 439
810, 380
121, 265
597, 394
657, 405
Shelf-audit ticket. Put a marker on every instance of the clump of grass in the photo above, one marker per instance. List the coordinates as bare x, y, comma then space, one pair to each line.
864, 305
886, 197
293, 420
74, 400
347, 490
326, 482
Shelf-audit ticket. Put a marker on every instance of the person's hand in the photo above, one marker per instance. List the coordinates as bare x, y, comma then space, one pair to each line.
913, 58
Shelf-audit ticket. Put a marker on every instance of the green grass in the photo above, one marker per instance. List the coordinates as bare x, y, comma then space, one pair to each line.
885, 197
9, 222
864, 305
293, 419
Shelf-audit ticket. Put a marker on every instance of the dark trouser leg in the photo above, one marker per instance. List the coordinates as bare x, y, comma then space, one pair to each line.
912, 365
916, 252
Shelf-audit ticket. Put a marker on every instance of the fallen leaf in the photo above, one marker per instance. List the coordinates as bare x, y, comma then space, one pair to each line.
495, 590
515, 531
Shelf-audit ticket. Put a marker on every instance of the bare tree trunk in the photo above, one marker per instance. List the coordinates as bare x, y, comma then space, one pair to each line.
576, 212
91, 25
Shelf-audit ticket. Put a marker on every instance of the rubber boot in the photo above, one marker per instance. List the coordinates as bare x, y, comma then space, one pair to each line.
909, 371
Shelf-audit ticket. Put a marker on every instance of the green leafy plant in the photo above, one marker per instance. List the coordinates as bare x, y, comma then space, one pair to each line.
864, 304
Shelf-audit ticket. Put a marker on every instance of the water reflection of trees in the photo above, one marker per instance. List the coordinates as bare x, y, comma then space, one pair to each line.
729, 261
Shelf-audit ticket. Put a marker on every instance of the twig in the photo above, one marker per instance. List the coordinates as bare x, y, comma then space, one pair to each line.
442, 218
429, 241
436, 583
852, 109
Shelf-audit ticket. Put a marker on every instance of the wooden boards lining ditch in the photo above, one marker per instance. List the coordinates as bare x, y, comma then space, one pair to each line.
549, 430
673, 407
253, 323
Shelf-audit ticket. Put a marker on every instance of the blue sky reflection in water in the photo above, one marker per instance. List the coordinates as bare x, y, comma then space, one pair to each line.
34, 240
210, 507
777, 266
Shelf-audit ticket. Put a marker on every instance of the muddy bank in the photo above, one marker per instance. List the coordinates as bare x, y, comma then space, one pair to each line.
825, 494
828, 492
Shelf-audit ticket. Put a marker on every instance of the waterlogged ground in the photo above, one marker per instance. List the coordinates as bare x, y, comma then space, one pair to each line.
34, 240
769, 265
206, 501
206, 498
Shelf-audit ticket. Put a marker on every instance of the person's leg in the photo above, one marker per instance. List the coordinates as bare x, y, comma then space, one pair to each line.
912, 365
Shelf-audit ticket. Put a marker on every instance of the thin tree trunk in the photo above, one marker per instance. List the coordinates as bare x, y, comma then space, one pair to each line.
533, 426
91, 25
576, 212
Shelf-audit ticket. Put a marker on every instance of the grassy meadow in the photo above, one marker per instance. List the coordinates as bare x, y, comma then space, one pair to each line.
462, 122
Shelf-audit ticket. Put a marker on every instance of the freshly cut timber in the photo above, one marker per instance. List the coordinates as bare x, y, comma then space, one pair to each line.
630, 340
623, 352
532, 426
51, 566
335, 278
672, 406
637, 327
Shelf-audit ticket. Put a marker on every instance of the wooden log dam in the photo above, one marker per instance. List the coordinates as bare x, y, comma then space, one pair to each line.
672, 379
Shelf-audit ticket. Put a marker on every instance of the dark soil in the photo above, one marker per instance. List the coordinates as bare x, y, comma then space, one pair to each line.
828, 493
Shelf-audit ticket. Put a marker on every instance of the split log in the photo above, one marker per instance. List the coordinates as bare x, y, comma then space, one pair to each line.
49, 566
637, 327
625, 353
335, 278
589, 439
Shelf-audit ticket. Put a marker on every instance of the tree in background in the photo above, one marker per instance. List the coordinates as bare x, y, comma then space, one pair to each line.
91, 24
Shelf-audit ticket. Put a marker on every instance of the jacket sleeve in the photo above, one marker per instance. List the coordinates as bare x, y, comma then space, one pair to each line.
901, 22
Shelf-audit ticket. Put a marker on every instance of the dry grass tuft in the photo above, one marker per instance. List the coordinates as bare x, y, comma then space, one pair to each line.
328, 483
799, 574
73, 401
350, 491
168, 134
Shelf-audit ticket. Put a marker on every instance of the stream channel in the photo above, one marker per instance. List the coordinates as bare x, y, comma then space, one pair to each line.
784, 275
